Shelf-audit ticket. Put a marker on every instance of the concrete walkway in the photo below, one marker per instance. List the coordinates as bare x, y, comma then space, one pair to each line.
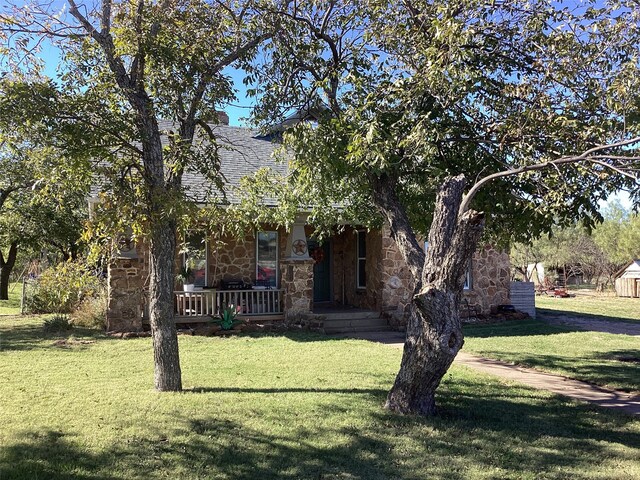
592, 324
575, 389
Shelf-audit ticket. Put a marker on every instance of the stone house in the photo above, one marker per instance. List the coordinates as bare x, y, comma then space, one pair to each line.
354, 280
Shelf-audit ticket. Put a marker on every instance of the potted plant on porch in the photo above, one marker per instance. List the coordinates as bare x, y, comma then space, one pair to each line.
185, 275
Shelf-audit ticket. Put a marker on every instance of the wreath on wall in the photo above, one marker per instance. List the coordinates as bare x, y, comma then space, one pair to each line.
318, 254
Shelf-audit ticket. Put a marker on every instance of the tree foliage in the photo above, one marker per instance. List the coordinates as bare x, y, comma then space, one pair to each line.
36, 212
418, 104
596, 254
448, 88
126, 66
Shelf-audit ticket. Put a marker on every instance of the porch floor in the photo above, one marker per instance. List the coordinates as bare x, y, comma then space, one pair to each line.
275, 317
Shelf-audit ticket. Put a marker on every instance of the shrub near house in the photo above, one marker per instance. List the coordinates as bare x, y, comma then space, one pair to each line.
63, 288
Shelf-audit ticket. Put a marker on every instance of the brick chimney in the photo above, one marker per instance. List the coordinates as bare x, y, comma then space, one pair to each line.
223, 118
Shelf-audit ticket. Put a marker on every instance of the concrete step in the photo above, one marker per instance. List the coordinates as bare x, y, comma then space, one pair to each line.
332, 330
355, 314
355, 322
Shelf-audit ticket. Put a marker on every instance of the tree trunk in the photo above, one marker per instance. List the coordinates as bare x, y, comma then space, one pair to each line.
434, 331
6, 267
167, 374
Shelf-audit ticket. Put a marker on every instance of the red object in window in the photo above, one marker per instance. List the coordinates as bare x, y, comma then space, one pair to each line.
266, 273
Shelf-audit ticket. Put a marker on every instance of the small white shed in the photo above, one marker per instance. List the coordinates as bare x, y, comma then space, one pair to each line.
628, 280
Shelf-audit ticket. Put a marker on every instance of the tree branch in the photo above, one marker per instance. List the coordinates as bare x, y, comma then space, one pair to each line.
591, 155
106, 43
389, 205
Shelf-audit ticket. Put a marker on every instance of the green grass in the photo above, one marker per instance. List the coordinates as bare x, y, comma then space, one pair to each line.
603, 307
590, 356
12, 306
297, 406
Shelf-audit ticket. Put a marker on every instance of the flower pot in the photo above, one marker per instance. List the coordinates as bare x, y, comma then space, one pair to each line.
189, 287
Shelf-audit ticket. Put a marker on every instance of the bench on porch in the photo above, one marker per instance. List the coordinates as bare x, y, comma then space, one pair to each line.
201, 305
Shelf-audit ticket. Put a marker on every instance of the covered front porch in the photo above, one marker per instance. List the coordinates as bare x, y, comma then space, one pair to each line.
269, 275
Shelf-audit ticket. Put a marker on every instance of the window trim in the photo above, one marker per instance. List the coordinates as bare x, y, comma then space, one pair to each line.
359, 286
468, 278
206, 254
258, 232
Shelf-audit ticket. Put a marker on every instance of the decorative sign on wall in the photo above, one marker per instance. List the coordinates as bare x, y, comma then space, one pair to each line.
126, 246
297, 246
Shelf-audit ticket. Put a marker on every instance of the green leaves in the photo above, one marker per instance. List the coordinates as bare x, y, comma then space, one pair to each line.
433, 88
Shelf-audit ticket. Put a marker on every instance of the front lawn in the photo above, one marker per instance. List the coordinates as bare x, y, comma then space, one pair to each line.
603, 307
12, 306
295, 406
600, 358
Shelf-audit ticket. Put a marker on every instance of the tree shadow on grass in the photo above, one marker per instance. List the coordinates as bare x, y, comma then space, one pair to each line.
375, 392
547, 312
33, 337
299, 336
49, 454
605, 369
516, 328
482, 428
628, 355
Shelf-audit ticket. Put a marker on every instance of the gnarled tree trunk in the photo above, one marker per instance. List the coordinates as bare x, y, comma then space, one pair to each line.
434, 331
6, 267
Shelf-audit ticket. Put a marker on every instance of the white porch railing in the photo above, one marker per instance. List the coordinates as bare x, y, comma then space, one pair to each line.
252, 302
199, 303
202, 303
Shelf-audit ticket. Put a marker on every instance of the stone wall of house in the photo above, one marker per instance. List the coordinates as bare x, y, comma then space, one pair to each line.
396, 284
296, 279
490, 280
127, 286
232, 259
489, 285
388, 287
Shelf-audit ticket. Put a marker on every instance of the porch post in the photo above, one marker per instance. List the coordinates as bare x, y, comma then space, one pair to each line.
126, 278
296, 273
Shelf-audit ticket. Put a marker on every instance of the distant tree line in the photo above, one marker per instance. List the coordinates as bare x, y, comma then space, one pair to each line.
595, 254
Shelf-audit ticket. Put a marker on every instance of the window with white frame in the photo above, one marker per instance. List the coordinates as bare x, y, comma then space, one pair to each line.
194, 256
361, 262
267, 259
467, 277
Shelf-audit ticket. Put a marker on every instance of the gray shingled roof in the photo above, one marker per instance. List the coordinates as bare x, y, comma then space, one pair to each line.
243, 151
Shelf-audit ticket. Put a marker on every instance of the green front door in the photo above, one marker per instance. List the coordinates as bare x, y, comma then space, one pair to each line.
321, 273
